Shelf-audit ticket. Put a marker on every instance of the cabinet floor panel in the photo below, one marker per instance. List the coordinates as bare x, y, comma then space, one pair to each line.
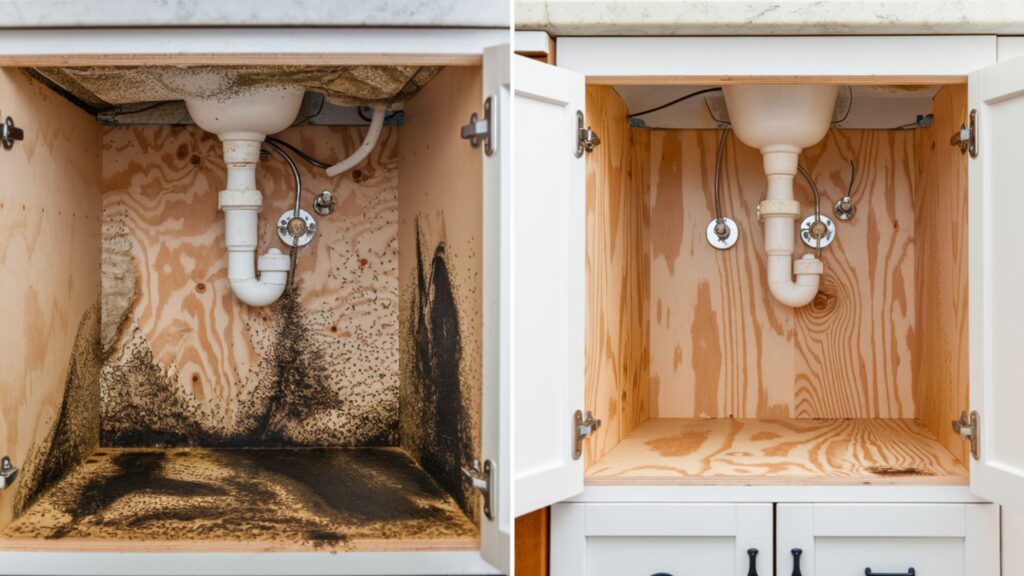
749, 451
250, 500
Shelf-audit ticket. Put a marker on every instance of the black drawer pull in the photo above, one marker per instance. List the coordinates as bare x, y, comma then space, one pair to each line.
796, 552
910, 572
661, 574
752, 554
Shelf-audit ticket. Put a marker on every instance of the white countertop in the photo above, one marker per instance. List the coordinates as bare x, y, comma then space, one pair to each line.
385, 13
776, 17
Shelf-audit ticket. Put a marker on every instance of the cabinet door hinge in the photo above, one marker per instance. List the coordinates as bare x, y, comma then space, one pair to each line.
584, 424
9, 133
7, 472
586, 138
483, 482
968, 428
966, 139
483, 130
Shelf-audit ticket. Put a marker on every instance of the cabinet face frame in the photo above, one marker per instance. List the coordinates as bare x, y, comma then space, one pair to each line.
846, 60
487, 48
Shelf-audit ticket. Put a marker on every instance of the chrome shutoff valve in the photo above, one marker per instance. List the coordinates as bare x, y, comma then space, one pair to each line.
324, 203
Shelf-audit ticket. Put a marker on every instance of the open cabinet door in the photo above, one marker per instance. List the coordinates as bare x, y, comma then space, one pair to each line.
495, 531
996, 203
547, 264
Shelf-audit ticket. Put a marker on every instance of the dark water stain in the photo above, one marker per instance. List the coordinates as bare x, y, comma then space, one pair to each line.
898, 471
75, 433
133, 472
332, 494
443, 442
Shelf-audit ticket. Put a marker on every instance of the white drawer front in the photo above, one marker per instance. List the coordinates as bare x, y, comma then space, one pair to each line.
849, 539
713, 539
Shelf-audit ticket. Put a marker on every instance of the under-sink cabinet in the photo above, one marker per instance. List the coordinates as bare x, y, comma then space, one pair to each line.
686, 410
168, 412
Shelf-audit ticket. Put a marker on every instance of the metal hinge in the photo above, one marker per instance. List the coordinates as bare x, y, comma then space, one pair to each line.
483, 129
483, 481
968, 429
586, 138
966, 139
584, 424
7, 472
9, 133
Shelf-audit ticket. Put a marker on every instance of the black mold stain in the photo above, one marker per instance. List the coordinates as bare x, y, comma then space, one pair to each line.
332, 495
444, 443
143, 407
898, 471
76, 431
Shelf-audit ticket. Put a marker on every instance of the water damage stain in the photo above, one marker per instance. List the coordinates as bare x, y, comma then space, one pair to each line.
442, 439
75, 433
288, 405
898, 471
309, 497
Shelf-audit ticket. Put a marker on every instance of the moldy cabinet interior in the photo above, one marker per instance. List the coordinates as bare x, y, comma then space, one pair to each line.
149, 410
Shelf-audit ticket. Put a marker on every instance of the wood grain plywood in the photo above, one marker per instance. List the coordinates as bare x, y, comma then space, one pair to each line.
244, 500
617, 324
941, 334
794, 451
533, 536
50, 256
194, 365
721, 346
440, 265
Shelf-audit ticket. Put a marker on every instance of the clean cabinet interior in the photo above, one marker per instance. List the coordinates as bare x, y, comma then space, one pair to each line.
700, 376
149, 409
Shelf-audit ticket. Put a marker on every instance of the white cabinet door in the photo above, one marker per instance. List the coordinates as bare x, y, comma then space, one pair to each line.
859, 539
497, 389
996, 190
715, 539
546, 278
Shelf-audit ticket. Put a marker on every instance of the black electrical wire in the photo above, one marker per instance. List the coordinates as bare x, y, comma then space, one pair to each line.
676, 101
306, 157
122, 112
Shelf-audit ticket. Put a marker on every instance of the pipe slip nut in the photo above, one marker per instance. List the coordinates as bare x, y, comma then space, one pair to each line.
778, 209
274, 261
808, 265
251, 199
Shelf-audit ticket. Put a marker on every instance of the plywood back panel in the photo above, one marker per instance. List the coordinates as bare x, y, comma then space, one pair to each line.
441, 273
617, 325
191, 363
49, 290
721, 346
941, 339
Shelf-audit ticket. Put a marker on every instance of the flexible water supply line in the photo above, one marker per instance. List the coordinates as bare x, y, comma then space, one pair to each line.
294, 251
376, 125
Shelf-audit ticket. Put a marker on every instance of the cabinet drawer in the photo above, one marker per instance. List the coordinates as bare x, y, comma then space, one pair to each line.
849, 539
645, 539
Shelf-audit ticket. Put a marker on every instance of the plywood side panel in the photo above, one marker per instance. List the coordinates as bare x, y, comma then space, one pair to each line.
941, 340
440, 269
721, 346
617, 323
191, 364
49, 289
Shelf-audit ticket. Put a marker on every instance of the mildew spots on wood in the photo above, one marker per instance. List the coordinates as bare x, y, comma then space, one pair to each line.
75, 432
295, 498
